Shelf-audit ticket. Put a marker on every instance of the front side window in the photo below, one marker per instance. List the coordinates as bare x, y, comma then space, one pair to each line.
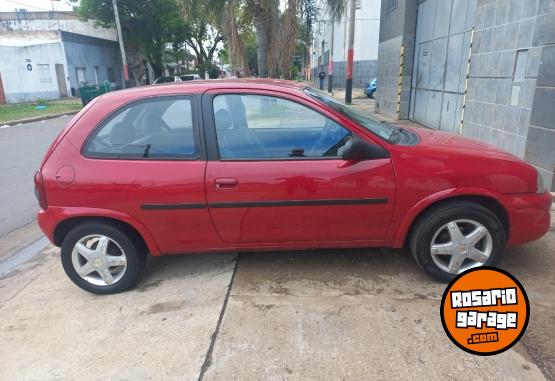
261, 126
157, 128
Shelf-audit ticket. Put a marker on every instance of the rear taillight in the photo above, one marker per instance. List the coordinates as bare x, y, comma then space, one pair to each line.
40, 192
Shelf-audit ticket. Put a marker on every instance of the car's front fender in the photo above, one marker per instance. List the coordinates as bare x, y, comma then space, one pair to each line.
398, 234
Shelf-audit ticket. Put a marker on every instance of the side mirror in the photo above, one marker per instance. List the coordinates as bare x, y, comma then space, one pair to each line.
358, 149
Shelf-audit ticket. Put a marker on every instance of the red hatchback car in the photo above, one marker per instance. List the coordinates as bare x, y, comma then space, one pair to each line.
271, 165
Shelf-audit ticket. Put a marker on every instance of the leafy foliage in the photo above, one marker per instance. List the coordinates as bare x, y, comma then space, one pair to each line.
147, 26
204, 18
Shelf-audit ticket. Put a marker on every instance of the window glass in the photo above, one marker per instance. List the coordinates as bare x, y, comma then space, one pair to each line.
157, 128
260, 126
383, 130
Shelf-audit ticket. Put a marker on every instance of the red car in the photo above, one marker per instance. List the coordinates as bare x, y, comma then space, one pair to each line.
241, 165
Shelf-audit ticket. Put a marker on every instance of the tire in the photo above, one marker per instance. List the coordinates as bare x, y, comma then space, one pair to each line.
121, 246
441, 223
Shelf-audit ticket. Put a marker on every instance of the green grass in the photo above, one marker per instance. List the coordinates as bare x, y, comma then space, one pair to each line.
18, 111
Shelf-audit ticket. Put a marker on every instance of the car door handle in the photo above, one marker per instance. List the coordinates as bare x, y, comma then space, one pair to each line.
228, 183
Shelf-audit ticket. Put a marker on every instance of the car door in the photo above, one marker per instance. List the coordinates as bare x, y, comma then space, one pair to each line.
146, 160
275, 175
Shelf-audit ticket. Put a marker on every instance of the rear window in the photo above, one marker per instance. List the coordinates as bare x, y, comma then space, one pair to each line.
160, 128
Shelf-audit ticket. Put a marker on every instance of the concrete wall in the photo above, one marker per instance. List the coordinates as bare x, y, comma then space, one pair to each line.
443, 33
363, 72
42, 21
510, 100
540, 144
397, 28
367, 26
23, 85
20, 48
90, 52
504, 83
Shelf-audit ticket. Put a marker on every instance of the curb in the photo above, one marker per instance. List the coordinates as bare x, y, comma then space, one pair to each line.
38, 118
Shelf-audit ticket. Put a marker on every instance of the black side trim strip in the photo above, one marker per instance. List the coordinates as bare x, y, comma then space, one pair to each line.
261, 204
172, 206
257, 204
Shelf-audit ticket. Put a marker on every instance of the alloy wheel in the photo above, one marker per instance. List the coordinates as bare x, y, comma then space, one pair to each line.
99, 260
460, 245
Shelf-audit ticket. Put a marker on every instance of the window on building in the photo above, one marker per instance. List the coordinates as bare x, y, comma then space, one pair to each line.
44, 73
520, 65
81, 75
111, 74
96, 76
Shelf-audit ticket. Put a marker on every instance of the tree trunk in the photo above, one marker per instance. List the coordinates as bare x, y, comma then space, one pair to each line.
260, 24
156, 63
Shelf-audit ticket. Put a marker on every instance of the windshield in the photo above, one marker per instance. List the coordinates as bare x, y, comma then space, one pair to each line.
384, 131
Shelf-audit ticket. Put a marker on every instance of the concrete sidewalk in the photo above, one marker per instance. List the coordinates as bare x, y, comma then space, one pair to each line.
322, 315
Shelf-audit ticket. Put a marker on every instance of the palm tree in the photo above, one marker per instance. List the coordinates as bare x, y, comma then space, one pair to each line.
261, 11
276, 34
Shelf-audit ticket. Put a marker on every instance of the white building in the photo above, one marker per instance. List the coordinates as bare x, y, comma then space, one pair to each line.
367, 30
47, 55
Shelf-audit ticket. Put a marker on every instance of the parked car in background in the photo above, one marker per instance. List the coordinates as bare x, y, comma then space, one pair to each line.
370, 90
272, 165
190, 77
167, 79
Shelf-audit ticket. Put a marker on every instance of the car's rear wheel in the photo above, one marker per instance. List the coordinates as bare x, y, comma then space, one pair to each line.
457, 236
101, 258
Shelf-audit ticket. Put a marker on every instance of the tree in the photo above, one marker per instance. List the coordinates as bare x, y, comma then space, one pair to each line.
262, 12
149, 26
205, 18
278, 34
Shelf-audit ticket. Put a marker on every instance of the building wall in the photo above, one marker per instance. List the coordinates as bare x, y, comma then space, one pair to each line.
510, 96
42, 21
540, 144
510, 42
90, 53
397, 28
367, 26
23, 85
443, 34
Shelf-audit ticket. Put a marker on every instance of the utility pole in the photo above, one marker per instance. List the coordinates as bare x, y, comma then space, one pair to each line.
323, 51
121, 48
350, 53
330, 59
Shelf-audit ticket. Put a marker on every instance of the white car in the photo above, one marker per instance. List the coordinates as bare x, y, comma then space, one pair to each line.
168, 79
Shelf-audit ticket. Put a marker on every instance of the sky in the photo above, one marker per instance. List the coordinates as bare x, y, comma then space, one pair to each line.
34, 5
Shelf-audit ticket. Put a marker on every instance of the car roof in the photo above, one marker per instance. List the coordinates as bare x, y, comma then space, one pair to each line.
201, 86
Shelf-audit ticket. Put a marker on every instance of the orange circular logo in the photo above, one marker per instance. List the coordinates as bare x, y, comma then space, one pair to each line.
485, 311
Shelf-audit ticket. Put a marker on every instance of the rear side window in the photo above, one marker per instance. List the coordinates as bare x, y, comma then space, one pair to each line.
160, 128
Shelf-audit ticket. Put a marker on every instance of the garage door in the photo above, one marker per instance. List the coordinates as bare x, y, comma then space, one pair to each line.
443, 30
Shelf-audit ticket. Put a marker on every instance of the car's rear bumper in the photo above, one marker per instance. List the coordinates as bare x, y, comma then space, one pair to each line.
529, 216
47, 222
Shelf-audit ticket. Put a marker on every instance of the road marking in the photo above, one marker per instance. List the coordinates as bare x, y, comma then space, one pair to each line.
22, 256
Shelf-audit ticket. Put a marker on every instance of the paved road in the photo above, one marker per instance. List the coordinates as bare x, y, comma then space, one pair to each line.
21, 150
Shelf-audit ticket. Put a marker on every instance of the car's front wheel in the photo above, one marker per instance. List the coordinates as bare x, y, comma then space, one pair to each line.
457, 236
101, 258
